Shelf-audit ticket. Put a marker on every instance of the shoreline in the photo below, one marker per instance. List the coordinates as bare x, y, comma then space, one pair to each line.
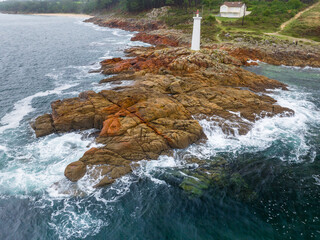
73, 15
275, 52
154, 116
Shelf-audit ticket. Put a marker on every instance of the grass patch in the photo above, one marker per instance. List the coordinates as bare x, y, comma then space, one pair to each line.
306, 26
224, 19
266, 16
181, 19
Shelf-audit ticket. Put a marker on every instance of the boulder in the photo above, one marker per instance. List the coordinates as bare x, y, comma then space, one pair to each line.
75, 171
43, 125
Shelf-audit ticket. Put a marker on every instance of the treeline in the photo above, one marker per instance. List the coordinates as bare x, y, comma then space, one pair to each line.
65, 6
70, 6
89, 6
140, 5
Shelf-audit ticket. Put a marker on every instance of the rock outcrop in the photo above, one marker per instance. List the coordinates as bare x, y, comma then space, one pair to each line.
155, 39
290, 55
150, 30
128, 24
276, 52
156, 13
172, 88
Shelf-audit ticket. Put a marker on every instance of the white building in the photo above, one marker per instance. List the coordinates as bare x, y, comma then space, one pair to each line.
233, 9
195, 45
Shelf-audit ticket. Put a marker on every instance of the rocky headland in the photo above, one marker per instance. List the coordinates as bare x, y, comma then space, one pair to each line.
172, 88
266, 49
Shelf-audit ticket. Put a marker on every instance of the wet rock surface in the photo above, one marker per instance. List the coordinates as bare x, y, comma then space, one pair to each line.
172, 88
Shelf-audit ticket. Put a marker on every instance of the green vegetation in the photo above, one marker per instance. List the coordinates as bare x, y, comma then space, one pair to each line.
181, 19
306, 26
266, 16
65, 6
71, 6
224, 19
280, 8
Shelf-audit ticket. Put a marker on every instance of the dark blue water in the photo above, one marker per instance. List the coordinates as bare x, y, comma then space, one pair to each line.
276, 165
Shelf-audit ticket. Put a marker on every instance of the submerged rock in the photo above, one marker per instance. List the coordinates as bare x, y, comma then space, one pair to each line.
215, 174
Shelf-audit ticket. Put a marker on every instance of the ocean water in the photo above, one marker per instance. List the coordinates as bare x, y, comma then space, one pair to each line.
47, 58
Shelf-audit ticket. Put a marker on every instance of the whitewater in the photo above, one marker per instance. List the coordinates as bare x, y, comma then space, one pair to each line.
38, 202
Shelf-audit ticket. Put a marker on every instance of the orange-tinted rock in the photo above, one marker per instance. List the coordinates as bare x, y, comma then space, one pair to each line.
91, 151
290, 56
127, 24
155, 39
111, 127
111, 61
156, 114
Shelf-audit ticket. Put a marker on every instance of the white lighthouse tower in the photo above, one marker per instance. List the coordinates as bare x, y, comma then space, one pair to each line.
195, 45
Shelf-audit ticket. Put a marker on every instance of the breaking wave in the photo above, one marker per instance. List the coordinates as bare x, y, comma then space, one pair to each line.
289, 135
23, 107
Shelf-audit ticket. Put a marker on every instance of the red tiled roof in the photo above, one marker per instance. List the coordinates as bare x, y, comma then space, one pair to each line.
233, 4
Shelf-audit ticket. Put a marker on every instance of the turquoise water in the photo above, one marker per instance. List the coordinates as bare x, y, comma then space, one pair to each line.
47, 58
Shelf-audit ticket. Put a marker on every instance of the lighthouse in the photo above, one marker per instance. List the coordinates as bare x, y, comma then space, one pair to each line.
195, 45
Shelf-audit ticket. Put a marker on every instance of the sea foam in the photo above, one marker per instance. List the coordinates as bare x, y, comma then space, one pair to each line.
290, 132
23, 107
41, 163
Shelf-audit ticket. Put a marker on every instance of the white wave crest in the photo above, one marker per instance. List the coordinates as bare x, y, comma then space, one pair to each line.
301, 68
40, 164
97, 44
106, 56
23, 107
77, 217
317, 179
108, 86
288, 132
3, 148
147, 169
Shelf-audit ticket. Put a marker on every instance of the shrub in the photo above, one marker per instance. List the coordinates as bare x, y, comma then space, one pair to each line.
211, 18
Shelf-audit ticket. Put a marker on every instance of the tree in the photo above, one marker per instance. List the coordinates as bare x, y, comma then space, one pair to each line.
295, 4
169, 2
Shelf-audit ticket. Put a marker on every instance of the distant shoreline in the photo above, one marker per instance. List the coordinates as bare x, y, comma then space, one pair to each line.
74, 15
64, 15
